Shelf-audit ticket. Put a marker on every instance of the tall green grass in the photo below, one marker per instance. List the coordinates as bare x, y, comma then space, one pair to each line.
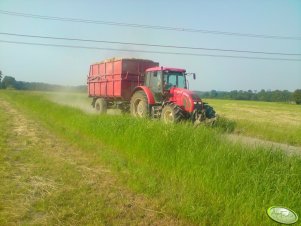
194, 172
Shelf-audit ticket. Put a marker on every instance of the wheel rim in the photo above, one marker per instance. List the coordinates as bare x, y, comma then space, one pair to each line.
168, 116
139, 108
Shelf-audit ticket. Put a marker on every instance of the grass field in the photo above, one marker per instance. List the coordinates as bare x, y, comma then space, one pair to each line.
194, 174
280, 122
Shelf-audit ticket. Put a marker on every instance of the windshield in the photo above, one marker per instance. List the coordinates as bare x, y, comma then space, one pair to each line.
174, 79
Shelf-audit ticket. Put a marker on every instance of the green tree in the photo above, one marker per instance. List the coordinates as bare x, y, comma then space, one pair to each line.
8, 82
213, 93
297, 96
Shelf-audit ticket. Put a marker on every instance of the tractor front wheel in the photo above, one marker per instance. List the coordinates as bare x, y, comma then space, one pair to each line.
139, 105
171, 113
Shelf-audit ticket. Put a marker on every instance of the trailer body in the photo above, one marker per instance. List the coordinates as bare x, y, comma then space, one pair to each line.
117, 78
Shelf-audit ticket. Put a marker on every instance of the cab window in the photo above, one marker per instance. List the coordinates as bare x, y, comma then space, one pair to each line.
174, 79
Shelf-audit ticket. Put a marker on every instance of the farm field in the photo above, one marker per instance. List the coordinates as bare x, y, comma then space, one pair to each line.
279, 122
63, 165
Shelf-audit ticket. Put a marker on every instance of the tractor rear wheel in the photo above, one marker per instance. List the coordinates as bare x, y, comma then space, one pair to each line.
101, 106
139, 105
171, 113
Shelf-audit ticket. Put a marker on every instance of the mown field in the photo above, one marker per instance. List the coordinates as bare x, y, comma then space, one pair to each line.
194, 174
279, 122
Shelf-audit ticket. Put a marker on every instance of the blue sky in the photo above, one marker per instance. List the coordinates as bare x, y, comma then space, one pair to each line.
69, 66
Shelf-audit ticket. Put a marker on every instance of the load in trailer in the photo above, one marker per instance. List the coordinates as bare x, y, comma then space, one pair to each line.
146, 90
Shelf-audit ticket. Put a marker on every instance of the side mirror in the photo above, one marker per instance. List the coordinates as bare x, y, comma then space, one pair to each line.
193, 75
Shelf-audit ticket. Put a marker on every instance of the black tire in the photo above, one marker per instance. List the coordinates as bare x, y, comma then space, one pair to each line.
171, 113
209, 111
101, 106
139, 105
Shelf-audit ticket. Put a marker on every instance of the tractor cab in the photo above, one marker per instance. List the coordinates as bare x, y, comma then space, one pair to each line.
161, 79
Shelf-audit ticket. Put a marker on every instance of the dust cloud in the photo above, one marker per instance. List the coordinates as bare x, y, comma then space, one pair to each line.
77, 100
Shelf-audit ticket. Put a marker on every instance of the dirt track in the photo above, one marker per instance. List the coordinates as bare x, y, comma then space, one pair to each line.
129, 208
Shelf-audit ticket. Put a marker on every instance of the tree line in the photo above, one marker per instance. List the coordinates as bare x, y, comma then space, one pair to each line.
262, 95
9, 82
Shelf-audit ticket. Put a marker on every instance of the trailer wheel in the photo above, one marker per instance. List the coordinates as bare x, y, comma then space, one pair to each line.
139, 105
101, 106
171, 113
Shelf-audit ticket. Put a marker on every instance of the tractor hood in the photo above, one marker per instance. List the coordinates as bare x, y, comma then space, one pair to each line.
184, 98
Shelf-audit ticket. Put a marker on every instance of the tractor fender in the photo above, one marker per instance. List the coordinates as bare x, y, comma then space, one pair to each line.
148, 92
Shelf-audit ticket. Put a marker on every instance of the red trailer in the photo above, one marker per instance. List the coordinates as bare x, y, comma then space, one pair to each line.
117, 78
146, 89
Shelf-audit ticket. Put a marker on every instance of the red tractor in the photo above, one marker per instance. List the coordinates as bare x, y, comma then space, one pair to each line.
145, 89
